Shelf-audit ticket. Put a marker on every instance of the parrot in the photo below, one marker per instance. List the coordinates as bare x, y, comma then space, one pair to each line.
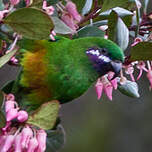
63, 69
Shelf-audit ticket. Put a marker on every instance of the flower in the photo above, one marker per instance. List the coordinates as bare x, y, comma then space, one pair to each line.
72, 10
14, 2
49, 9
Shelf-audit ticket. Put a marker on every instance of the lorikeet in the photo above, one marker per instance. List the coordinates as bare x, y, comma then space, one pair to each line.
63, 70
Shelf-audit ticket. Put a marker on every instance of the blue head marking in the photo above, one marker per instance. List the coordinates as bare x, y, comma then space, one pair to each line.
99, 59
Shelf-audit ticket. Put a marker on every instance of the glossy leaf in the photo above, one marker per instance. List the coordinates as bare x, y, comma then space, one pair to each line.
32, 23
55, 139
141, 51
122, 34
60, 26
89, 31
129, 88
118, 31
5, 58
2, 120
120, 11
45, 116
87, 7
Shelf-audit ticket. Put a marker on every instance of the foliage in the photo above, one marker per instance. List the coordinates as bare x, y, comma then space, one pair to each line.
125, 22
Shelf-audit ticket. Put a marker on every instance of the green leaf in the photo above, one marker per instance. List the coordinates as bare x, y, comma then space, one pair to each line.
120, 11
141, 51
89, 31
55, 139
129, 88
1, 98
5, 58
2, 120
52, 2
32, 23
60, 26
1, 5
45, 116
79, 4
118, 31
108, 4
87, 7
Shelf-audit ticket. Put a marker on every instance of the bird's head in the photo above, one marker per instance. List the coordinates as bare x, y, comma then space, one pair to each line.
106, 56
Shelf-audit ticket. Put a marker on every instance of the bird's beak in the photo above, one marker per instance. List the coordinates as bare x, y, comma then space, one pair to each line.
116, 67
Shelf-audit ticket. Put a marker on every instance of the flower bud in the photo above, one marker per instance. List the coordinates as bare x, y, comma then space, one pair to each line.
26, 135
71, 8
17, 143
10, 97
11, 114
14, 2
41, 138
108, 90
9, 105
99, 89
33, 143
8, 143
22, 116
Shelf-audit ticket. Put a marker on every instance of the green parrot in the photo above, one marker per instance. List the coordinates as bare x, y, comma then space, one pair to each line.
63, 69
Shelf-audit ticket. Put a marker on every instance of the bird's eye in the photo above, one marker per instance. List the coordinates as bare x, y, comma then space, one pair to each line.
103, 51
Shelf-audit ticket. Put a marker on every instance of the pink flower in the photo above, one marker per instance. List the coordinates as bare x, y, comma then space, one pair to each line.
9, 105
17, 143
49, 9
69, 21
99, 89
22, 116
2, 13
136, 41
108, 88
10, 97
149, 76
8, 143
26, 135
11, 114
33, 143
72, 10
14, 2
41, 138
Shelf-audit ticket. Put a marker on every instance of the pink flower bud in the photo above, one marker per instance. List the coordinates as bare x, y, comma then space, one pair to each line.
114, 83
14, 2
68, 20
108, 90
99, 89
10, 97
72, 9
8, 143
11, 114
26, 135
7, 126
9, 105
22, 116
33, 143
17, 143
2, 141
149, 76
41, 138
49, 9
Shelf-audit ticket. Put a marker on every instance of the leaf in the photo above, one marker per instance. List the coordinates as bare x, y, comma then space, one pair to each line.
52, 2
89, 31
45, 116
61, 27
32, 23
129, 88
55, 139
108, 4
122, 34
141, 51
5, 58
2, 6
87, 7
2, 120
1, 98
118, 31
120, 11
